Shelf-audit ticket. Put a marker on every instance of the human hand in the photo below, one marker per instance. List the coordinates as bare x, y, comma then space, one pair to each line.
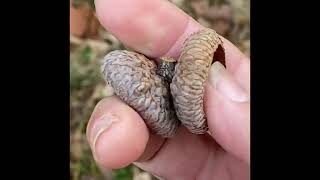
117, 134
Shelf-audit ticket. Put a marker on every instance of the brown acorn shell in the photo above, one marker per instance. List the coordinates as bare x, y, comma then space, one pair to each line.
198, 53
134, 80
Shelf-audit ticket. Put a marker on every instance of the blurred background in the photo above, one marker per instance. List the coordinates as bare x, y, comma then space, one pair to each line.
89, 42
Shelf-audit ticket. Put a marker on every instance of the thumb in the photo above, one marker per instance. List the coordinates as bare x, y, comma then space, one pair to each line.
227, 106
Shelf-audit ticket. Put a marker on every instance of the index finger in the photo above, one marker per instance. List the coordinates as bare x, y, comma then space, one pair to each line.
155, 28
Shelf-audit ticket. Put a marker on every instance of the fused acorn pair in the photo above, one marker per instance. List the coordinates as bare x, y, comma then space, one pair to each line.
169, 94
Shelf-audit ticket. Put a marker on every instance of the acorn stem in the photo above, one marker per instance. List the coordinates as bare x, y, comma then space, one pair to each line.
166, 68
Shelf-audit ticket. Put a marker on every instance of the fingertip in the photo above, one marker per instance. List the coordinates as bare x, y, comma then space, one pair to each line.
121, 145
149, 27
116, 134
229, 123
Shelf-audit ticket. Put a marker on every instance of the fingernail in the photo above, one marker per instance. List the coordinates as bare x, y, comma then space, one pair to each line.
99, 127
222, 81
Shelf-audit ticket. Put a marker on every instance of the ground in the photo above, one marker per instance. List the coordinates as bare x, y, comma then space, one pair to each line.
229, 18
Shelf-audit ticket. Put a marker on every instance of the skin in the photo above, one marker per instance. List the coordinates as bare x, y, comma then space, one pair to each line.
157, 28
